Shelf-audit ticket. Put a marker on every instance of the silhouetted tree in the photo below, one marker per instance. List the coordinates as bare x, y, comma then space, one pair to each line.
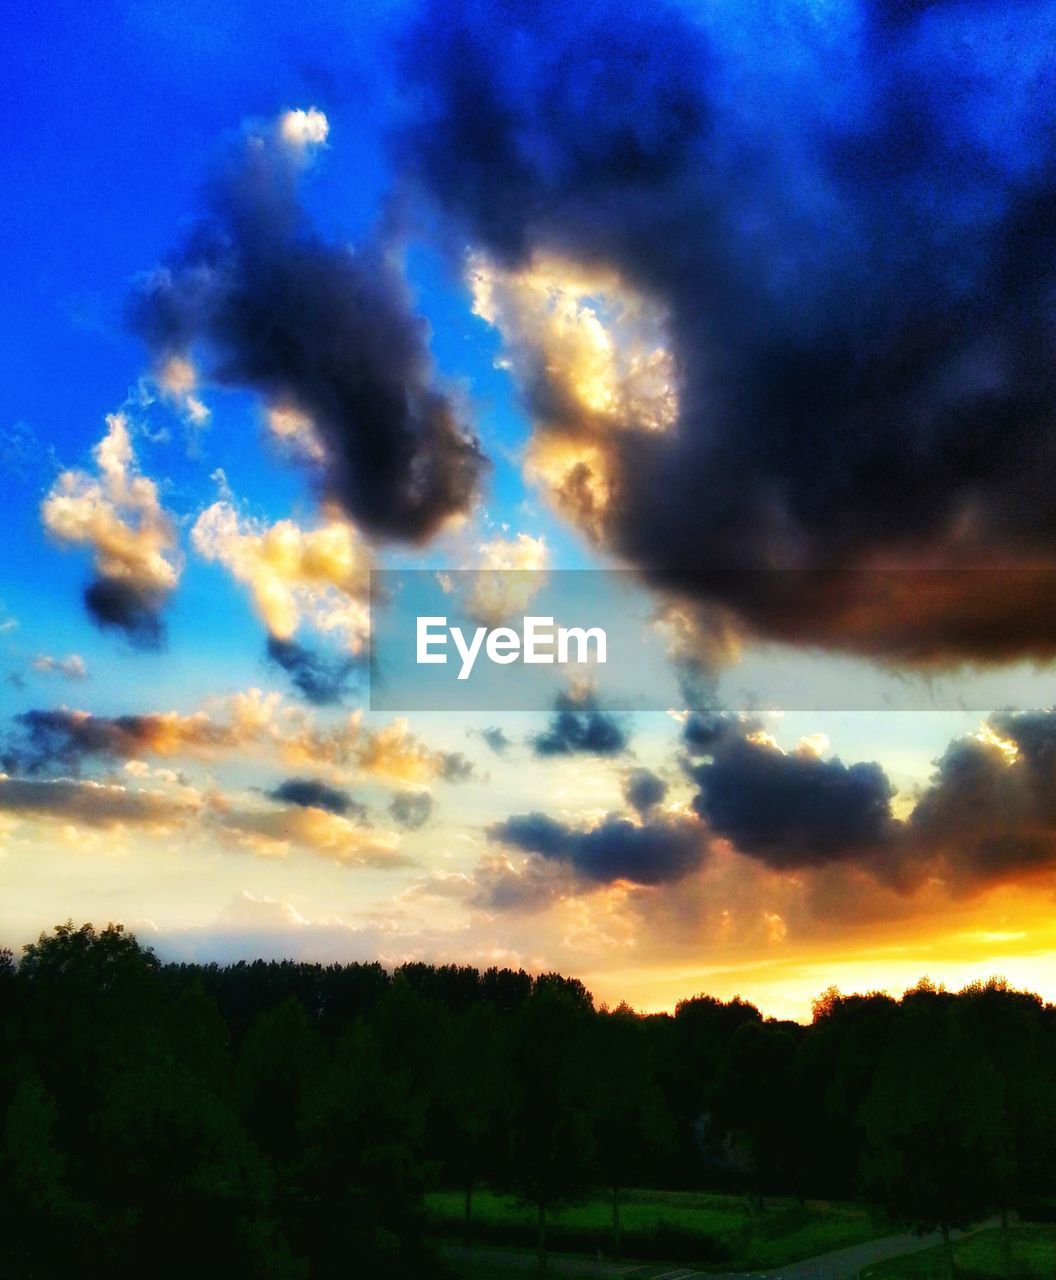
932, 1121
549, 1126
632, 1129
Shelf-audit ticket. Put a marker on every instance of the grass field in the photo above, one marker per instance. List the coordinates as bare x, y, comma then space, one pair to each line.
715, 1230
1033, 1254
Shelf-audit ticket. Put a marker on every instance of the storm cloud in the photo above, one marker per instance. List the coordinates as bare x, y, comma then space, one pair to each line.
990, 812
793, 809
324, 679
312, 793
322, 332
643, 790
656, 852
986, 816
825, 282
579, 726
61, 739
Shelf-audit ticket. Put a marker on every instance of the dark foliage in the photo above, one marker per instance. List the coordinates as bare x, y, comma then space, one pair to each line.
281, 1119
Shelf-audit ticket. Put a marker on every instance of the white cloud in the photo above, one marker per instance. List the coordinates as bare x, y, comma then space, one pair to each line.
319, 575
118, 514
72, 667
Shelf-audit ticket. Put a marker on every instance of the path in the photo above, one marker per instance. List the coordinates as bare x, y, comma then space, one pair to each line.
840, 1264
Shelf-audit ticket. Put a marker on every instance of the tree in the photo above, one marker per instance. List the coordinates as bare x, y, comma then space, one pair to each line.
179, 1179
1009, 1028
931, 1120
550, 1145
474, 1095
46, 1228
632, 1129
359, 1182
752, 1098
279, 1055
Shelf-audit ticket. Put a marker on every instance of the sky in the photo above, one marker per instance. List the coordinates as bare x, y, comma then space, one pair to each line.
752, 303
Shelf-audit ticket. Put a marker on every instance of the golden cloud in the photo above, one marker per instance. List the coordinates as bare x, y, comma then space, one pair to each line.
319, 575
117, 513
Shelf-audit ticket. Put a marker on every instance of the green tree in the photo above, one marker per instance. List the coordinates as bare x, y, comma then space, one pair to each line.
931, 1120
46, 1228
359, 1184
550, 1139
475, 1095
279, 1056
180, 1180
632, 1129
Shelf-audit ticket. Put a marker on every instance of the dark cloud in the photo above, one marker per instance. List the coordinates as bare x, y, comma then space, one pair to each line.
318, 327
704, 729
61, 739
793, 810
580, 727
990, 811
92, 804
323, 679
496, 739
643, 790
411, 809
311, 793
988, 814
655, 852
453, 766
855, 268
127, 606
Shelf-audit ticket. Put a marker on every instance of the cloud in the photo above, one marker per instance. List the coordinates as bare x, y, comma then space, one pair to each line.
177, 380
656, 851
989, 813
295, 432
242, 723
496, 739
72, 667
118, 515
324, 679
770, 358
411, 809
643, 790
304, 129
94, 804
312, 793
317, 329
320, 575
986, 817
580, 726
528, 885
394, 752
272, 833
253, 926
63, 738
794, 809
508, 574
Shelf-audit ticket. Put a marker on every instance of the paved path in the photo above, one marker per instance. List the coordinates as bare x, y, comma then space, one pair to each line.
840, 1264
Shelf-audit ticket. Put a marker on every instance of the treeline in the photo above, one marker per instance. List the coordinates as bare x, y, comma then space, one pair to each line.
283, 1120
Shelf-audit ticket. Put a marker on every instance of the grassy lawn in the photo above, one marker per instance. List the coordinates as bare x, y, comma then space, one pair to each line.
710, 1230
1033, 1253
